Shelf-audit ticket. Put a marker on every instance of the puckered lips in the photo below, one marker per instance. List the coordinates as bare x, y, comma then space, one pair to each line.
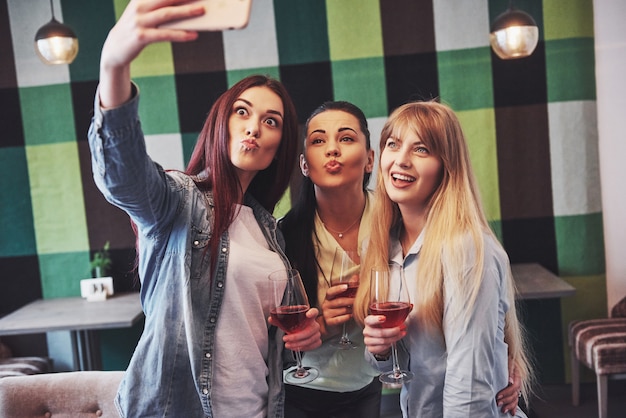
249, 144
401, 179
333, 166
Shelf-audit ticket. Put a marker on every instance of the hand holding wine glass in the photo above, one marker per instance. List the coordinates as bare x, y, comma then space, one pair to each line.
345, 271
289, 312
390, 298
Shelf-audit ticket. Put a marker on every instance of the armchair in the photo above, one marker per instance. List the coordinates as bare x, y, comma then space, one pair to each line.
18, 366
599, 344
66, 394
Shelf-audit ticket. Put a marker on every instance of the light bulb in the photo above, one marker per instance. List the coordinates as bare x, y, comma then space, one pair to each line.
514, 34
515, 41
56, 43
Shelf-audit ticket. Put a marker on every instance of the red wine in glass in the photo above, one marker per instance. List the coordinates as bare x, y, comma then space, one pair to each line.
288, 307
390, 297
345, 270
289, 318
350, 292
395, 312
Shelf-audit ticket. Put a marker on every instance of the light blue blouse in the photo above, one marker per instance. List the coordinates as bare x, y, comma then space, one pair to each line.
457, 373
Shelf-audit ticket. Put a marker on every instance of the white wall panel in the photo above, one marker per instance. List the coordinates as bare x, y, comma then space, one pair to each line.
26, 17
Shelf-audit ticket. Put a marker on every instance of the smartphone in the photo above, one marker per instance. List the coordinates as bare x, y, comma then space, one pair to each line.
219, 15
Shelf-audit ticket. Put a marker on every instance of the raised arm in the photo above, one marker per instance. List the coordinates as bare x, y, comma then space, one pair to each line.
137, 28
122, 169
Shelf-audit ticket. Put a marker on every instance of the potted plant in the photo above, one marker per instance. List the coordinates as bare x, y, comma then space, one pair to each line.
100, 286
101, 261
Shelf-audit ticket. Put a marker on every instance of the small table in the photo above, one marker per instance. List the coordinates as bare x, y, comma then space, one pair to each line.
79, 316
540, 292
534, 281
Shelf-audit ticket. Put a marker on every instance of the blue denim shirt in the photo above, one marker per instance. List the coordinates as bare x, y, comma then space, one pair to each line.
170, 373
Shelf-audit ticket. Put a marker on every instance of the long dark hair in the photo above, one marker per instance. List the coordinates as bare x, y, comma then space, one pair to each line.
298, 225
211, 157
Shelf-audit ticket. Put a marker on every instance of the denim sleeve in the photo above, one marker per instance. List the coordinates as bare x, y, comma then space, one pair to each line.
123, 171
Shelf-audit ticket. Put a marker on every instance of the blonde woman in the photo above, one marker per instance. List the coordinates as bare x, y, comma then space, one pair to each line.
463, 327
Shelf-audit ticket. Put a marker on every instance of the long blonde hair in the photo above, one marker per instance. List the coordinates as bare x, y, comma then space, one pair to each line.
459, 223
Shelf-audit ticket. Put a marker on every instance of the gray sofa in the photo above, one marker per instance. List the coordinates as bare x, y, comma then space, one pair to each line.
60, 395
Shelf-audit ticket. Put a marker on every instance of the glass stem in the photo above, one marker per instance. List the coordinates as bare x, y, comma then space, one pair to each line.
344, 335
397, 373
300, 371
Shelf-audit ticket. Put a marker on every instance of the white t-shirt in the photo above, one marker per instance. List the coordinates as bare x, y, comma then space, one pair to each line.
240, 380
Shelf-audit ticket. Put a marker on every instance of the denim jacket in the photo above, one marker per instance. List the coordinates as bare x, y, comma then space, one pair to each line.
170, 373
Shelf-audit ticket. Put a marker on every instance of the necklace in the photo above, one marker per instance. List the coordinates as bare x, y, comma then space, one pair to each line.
340, 233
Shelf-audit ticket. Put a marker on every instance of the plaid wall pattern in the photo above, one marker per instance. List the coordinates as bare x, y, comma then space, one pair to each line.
531, 124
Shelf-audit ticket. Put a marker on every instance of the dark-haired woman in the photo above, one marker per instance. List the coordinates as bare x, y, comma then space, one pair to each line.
206, 237
332, 211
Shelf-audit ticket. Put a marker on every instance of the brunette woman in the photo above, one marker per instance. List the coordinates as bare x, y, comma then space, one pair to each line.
332, 211
206, 238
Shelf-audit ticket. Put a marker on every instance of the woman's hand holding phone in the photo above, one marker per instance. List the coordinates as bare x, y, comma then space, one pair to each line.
219, 15
138, 27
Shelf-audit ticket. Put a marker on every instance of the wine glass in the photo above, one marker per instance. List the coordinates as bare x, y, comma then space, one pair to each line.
390, 297
345, 270
288, 309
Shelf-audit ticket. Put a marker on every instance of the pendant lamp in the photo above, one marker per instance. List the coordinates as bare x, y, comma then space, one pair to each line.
514, 34
55, 42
